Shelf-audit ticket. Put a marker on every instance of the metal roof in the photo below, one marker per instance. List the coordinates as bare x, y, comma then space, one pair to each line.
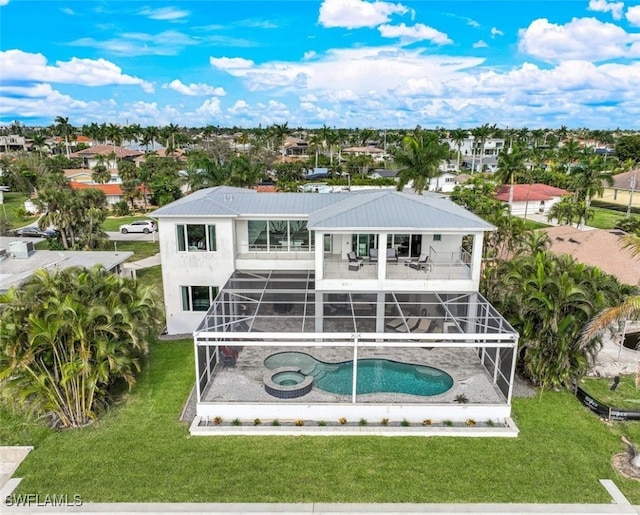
370, 209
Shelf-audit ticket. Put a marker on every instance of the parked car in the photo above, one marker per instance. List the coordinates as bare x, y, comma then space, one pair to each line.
145, 226
35, 232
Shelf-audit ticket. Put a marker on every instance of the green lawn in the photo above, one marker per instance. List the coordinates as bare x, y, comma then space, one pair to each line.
13, 201
605, 218
140, 451
140, 249
625, 396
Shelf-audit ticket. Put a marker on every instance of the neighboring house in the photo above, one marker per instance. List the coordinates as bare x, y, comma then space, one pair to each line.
295, 149
19, 260
471, 152
338, 276
112, 192
380, 173
624, 190
91, 156
531, 198
13, 142
85, 175
445, 182
597, 247
377, 154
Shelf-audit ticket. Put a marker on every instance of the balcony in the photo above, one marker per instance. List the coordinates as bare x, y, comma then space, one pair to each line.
441, 266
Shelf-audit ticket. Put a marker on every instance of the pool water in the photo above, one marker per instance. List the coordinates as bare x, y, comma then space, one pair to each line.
374, 375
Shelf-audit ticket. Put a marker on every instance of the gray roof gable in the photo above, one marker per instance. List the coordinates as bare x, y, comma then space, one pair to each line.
372, 209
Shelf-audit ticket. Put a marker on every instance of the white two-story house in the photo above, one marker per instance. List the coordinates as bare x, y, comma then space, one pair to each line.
302, 284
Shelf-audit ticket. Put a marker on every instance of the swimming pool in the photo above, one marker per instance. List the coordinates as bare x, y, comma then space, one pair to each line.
374, 375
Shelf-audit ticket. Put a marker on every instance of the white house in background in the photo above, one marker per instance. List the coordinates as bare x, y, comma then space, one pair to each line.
476, 156
531, 198
332, 277
445, 182
377, 154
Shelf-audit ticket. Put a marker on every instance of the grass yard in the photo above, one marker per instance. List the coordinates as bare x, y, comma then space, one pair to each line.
605, 218
625, 396
140, 452
140, 249
13, 201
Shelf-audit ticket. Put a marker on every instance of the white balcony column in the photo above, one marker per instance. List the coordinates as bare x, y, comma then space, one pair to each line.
476, 258
382, 256
319, 236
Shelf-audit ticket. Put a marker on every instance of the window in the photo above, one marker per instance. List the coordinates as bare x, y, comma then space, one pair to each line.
196, 238
197, 298
437, 237
279, 235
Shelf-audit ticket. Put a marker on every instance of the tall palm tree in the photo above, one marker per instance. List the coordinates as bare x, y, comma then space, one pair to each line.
419, 160
511, 165
481, 135
64, 129
458, 136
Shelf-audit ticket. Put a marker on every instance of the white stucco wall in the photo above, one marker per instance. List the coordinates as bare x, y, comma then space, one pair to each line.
192, 268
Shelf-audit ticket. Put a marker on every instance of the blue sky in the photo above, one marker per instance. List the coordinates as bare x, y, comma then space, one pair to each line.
340, 63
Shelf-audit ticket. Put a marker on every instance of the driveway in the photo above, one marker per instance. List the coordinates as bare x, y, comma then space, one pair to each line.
137, 236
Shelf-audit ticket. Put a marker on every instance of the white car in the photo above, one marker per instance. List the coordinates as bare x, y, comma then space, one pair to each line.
145, 226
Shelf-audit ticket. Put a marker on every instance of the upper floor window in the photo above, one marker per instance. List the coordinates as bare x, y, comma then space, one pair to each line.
279, 235
196, 237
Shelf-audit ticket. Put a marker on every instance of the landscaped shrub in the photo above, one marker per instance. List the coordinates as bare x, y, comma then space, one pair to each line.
447, 423
217, 421
257, 422
384, 421
342, 421
461, 398
426, 422
275, 422
121, 208
470, 422
362, 422
299, 423
236, 422
405, 423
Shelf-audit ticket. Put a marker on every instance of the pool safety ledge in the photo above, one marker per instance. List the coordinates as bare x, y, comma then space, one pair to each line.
287, 382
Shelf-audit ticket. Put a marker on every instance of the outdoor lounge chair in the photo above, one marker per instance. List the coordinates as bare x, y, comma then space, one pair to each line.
395, 323
373, 255
355, 262
412, 323
392, 255
422, 263
423, 326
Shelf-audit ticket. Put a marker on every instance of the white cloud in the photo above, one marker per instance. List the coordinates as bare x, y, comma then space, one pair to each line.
309, 55
480, 44
633, 15
41, 100
169, 42
3, 2
195, 89
603, 6
230, 63
418, 32
581, 38
22, 66
164, 13
210, 107
353, 14
496, 32
68, 11
238, 107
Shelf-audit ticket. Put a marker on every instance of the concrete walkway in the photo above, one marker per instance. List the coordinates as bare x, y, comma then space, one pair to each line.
144, 263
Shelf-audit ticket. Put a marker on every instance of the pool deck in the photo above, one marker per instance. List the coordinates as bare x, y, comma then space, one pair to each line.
244, 382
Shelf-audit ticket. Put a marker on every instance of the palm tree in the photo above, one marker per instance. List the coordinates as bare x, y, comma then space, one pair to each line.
589, 178
511, 165
68, 336
458, 136
419, 160
481, 135
64, 129
564, 211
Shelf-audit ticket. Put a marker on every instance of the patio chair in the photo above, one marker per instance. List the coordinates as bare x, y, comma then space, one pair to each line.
229, 356
392, 255
395, 323
373, 255
355, 262
422, 263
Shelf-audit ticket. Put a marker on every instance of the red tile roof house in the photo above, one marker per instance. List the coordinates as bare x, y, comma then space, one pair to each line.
113, 192
531, 198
